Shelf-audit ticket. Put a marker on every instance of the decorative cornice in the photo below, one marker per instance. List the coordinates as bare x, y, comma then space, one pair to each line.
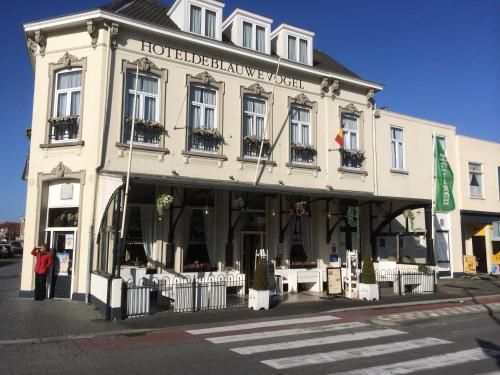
302, 99
41, 40
67, 59
114, 34
145, 64
370, 97
324, 87
257, 89
206, 78
60, 170
31, 45
93, 31
335, 88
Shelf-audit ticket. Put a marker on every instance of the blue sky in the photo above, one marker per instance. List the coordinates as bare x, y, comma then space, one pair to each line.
439, 60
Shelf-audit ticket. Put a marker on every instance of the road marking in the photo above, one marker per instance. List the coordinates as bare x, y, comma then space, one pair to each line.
285, 332
428, 363
317, 341
269, 323
363, 352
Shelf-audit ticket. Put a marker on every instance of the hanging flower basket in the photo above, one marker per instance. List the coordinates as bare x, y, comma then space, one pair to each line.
147, 124
303, 147
163, 203
239, 203
63, 120
299, 208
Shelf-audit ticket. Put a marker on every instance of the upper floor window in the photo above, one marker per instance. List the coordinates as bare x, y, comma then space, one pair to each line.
292, 43
260, 38
247, 34
67, 97
397, 148
202, 21
195, 20
203, 134
498, 174
303, 51
254, 126
210, 18
475, 180
254, 36
350, 126
351, 155
147, 112
302, 149
298, 52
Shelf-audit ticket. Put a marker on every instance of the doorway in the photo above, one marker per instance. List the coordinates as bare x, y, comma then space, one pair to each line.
250, 243
62, 244
443, 253
479, 251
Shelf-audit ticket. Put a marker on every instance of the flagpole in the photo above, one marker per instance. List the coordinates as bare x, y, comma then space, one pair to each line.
267, 120
433, 200
131, 145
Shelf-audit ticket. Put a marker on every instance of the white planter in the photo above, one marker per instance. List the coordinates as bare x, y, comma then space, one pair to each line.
258, 299
368, 292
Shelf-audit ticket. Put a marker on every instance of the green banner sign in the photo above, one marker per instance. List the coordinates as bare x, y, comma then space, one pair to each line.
444, 181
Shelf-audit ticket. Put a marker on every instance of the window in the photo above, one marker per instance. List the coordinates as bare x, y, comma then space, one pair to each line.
292, 43
147, 127
397, 148
254, 125
303, 51
202, 115
302, 150
475, 180
210, 23
195, 20
498, 174
260, 39
247, 34
350, 126
66, 113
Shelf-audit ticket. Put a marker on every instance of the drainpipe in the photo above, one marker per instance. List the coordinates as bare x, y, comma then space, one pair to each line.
89, 263
374, 142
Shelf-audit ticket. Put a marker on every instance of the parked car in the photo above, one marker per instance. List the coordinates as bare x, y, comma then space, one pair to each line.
5, 250
16, 247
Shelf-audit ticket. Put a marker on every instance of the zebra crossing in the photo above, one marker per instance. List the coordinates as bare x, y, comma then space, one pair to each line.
276, 337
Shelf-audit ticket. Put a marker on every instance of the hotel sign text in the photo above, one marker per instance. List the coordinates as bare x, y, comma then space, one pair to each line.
216, 63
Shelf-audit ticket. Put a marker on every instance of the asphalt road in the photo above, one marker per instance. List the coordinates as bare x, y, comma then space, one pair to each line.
319, 344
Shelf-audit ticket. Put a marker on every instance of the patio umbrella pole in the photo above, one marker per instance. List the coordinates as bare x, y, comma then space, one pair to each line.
267, 119
131, 141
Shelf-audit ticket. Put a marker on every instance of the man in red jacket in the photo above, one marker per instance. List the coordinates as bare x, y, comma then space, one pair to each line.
42, 266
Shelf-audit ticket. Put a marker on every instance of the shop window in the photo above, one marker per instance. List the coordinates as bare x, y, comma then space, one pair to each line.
475, 180
63, 217
199, 232
301, 243
139, 239
253, 222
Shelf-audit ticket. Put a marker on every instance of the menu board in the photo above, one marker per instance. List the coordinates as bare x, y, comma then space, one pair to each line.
62, 265
334, 280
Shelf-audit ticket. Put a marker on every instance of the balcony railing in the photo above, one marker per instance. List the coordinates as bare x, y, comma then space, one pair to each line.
352, 158
64, 128
144, 132
303, 154
201, 139
251, 147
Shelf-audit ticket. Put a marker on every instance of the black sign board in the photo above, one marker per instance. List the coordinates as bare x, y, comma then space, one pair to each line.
229, 254
169, 261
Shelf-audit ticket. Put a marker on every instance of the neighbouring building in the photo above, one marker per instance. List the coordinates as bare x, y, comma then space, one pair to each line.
213, 94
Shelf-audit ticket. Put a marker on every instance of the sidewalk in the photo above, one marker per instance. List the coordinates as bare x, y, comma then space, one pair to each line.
53, 320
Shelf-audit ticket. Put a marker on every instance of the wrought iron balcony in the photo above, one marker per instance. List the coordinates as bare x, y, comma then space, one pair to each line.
143, 132
303, 153
352, 158
63, 128
201, 139
251, 147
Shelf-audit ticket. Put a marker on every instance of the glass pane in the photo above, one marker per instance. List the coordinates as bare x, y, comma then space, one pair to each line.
353, 141
75, 103
400, 156
248, 104
349, 123
247, 125
295, 113
260, 39
303, 51
260, 107
247, 35
148, 84
304, 115
195, 20
196, 94
149, 108
209, 97
295, 127
259, 127
209, 118
130, 102
305, 134
292, 42
210, 24
61, 104
474, 167
393, 154
397, 134
195, 116
69, 80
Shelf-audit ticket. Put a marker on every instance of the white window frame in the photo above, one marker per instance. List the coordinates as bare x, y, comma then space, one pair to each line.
252, 40
301, 124
298, 39
255, 115
203, 20
348, 132
204, 12
265, 37
68, 92
141, 95
203, 106
481, 180
400, 164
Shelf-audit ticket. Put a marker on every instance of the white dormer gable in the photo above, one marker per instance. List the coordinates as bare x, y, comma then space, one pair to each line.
201, 17
293, 43
249, 30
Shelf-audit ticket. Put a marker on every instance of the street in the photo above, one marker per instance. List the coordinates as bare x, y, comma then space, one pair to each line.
320, 344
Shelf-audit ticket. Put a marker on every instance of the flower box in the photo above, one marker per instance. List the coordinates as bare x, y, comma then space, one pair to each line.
62, 120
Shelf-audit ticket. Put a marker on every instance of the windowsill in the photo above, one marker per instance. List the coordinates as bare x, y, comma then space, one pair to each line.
247, 159
201, 154
62, 144
478, 198
310, 167
399, 171
353, 171
143, 147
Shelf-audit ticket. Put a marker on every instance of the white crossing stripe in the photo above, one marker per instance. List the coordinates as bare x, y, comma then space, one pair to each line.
428, 363
285, 332
363, 352
317, 341
270, 323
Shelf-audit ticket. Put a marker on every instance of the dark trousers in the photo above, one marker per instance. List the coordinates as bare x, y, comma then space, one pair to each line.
40, 287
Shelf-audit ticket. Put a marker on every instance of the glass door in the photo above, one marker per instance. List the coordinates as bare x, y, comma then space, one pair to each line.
443, 253
251, 242
63, 246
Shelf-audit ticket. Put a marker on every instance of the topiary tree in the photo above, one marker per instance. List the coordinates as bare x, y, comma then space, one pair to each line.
260, 281
368, 272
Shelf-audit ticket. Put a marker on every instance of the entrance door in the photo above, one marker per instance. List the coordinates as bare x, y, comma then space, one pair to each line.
443, 253
251, 242
63, 245
479, 250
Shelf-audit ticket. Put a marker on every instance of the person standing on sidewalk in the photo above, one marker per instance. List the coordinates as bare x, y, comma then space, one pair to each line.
42, 266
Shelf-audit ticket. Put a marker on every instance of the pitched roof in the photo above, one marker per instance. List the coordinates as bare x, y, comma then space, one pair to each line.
155, 12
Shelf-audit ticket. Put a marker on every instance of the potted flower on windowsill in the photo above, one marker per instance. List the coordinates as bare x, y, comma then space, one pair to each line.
60, 120
147, 124
304, 147
368, 287
208, 133
259, 294
352, 158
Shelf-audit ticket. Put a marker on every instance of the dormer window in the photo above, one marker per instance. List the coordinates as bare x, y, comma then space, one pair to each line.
201, 19
195, 20
210, 18
300, 54
293, 44
260, 39
248, 30
247, 34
